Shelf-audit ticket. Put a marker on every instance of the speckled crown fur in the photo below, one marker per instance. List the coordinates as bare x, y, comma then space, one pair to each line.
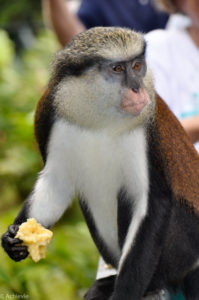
94, 44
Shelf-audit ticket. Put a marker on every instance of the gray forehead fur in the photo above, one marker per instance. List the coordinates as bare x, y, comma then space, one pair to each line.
100, 42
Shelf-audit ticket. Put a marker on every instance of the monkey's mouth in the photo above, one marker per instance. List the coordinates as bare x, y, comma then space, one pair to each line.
134, 108
134, 102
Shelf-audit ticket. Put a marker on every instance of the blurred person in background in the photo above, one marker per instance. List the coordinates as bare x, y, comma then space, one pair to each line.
173, 55
140, 15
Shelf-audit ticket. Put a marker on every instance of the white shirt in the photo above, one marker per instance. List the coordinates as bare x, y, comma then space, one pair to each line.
174, 61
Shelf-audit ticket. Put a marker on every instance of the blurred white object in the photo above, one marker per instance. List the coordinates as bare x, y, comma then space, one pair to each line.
178, 21
74, 5
105, 270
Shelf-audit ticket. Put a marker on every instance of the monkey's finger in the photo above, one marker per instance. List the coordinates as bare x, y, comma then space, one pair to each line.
19, 258
13, 241
12, 229
4, 240
18, 255
19, 249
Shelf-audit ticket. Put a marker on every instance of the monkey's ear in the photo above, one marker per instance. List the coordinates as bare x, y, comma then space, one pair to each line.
44, 119
179, 158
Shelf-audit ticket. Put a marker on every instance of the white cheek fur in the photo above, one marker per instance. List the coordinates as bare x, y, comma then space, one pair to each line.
87, 101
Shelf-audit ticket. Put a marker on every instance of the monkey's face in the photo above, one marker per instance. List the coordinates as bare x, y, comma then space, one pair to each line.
128, 76
112, 93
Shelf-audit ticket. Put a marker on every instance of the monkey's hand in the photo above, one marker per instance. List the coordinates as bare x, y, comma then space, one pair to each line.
12, 245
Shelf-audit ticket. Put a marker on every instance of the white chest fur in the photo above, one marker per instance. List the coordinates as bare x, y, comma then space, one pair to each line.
97, 165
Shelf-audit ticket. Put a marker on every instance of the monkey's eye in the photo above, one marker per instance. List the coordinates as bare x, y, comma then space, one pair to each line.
137, 66
118, 68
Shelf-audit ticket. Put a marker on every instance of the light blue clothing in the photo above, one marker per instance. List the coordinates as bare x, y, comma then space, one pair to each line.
179, 296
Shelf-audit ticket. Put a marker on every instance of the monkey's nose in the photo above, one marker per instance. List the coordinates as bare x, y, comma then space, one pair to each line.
136, 90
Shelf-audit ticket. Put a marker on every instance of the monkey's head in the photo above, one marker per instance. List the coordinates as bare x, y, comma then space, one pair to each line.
101, 80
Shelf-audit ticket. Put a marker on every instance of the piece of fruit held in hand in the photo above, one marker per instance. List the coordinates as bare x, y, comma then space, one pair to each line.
35, 237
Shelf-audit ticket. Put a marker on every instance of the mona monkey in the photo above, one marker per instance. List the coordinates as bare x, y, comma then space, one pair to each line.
103, 133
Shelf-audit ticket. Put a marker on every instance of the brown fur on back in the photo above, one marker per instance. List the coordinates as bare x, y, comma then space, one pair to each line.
179, 157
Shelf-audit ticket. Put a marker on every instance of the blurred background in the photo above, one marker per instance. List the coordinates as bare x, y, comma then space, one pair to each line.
26, 50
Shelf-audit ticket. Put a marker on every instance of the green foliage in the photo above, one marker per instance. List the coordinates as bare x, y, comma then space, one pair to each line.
71, 259
16, 11
6, 50
22, 83
66, 272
